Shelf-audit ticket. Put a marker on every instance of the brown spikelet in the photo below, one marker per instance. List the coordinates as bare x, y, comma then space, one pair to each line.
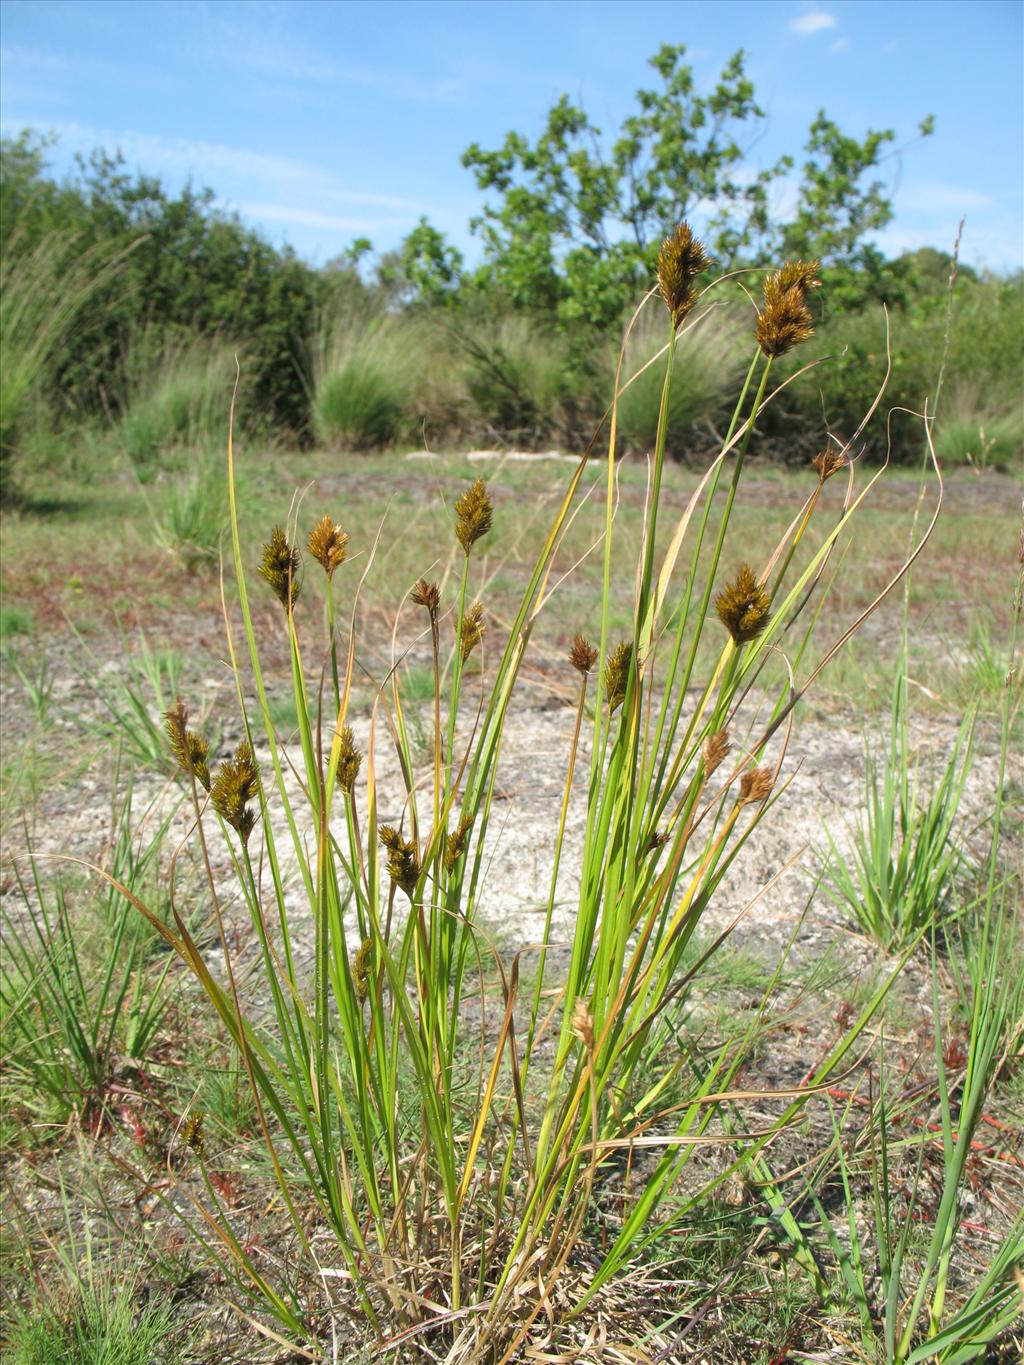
349, 760
582, 655
189, 749
616, 674
192, 1134
828, 462
280, 566
785, 320
472, 631
583, 1024
455, 844
744, 606
681, 259
755, 786
328, 544
361, 967
403, 864
657, 838
473, 515
235, 785
427, 595
715, 748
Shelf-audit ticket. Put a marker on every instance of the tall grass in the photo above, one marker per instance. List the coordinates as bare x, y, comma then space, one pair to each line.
442, 1123
44, 291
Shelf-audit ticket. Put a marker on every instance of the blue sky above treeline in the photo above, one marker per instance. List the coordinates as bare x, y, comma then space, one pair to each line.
323, 122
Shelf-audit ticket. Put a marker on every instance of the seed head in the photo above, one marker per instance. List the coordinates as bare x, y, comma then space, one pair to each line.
472, 631
280, 567
583, 1024
473, 515
715, 749
328, 544
236, 784
744, 606
427, 595
828, 462
785, 320
189, 749
616, 674
657, 838
361, 966
349, 760
756, 786
403, 864
455, 844
681, 259
582, 655
192, 1134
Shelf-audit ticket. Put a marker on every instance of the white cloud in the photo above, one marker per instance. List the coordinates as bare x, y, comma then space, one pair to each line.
314, 218
814, 21
235, 171
933, 196
840, 45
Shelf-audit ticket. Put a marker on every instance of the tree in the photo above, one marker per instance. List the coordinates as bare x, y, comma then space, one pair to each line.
576, 223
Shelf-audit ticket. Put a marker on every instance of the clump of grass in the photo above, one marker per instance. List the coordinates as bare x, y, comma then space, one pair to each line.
15, 619
368, 376
175, 400
419, 1168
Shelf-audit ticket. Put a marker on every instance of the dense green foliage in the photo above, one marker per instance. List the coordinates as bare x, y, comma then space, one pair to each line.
125, 305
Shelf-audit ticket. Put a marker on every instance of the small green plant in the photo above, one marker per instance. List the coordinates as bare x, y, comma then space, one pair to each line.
191, 521
897, 880
366, 379
37, 680
79, 989
15, 619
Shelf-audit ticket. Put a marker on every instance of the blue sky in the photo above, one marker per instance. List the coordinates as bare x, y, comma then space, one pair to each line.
321, 122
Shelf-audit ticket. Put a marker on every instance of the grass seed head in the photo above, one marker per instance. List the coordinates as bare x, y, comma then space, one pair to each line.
403, 864
472, 631
236, 784
785, 320
828, 462
349, 760
361, 966
582, 655
192, 1134
657, 838
715, 748
280, 567
583, 1024
473, 515
616, 674
756, 786
744, 606
455, 844
681, 259
189, 749
427, 595
328, 544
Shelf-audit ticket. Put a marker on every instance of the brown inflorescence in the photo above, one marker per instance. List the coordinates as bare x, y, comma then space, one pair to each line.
583, 1024
349, 760
681, 260
236, 784
456, 843
403, 864
472, 631
473, 515
785, 319
427, 595
280, 567
616, 674
756, 785
361, 965
192, 1134
328, 544
828, 462
189, 749
715, 749
744, 606
582, 655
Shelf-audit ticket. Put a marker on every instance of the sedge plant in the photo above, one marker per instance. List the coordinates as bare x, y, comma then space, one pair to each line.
443, 1127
